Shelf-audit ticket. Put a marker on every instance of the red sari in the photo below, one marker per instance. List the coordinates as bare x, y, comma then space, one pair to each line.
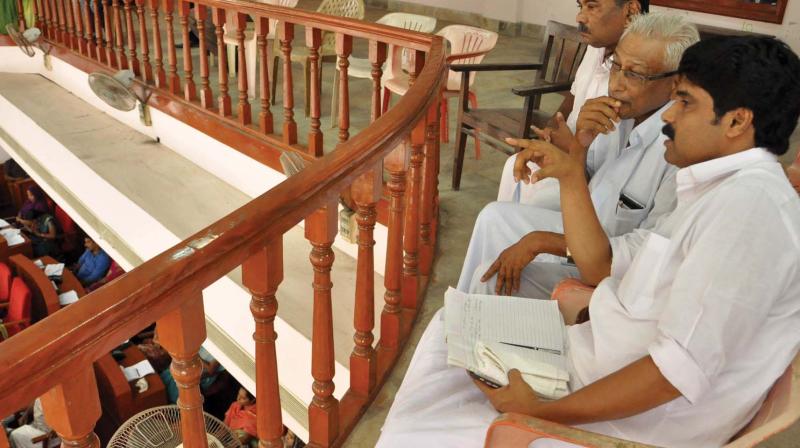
242, 417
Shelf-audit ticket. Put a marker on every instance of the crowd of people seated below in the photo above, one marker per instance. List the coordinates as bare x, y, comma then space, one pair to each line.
29, 429
694, 314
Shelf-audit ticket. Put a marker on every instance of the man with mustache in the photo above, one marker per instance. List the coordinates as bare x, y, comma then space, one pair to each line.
692, 322
601, 24
630, 181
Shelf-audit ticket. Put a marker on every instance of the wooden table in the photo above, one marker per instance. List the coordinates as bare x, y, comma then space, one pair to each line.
69, 282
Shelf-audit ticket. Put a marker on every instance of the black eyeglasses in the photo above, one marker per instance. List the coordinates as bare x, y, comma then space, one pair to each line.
633, 76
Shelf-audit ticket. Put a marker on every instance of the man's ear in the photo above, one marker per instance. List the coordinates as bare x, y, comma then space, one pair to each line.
741, 122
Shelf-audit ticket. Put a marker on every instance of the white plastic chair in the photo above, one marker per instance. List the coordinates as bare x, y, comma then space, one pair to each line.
362, 67
250, 45
468, 45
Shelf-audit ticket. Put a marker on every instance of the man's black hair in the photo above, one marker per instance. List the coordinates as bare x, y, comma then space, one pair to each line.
645, 4
757, 73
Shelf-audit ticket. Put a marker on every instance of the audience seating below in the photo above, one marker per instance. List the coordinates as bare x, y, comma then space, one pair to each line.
44, 295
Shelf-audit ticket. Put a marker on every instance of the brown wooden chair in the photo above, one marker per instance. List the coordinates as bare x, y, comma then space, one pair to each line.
563, 51
44, 299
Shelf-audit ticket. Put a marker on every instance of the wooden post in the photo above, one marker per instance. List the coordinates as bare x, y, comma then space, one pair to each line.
206, 97
429, 178
100, 52
224, 100
72, 40
48, 24
77, 17
244, 112
189, 89
262, 274
20, 17
323, 412
377, 57
315, 136
265, 115
285, 35
366, 192
181, 332
396, 164
122, 62
88, 30
159, 74
133, 60
73, 408
147, 69
63, 37
344, 47
111, 58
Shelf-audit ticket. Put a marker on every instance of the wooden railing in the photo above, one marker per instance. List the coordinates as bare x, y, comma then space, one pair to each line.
53, 358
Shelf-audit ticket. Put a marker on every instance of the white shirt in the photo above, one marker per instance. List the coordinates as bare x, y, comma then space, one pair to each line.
630, 161
712, 294
591, 81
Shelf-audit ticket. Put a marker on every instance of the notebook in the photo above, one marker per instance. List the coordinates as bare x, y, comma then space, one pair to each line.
490, 335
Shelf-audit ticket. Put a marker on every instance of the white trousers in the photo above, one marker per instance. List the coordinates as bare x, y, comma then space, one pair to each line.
437, 405
500, 225
544, 194
22, 436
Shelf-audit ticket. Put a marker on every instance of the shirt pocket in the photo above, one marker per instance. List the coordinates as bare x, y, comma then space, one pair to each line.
638, 287
628, 220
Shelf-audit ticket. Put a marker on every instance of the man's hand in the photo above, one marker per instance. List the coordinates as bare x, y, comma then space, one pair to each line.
597, 116
552, 161
516, 397
510, 263
559, 135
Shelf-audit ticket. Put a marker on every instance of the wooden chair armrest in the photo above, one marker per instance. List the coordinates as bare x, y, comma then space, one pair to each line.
16, 322
458, 57
494, 67
540, 87
44, 438
517, 431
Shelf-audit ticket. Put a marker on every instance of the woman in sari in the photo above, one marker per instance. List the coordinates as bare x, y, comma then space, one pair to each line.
241, 418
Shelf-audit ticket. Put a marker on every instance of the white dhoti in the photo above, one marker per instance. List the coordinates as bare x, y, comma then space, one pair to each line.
544, 193
23, 436
437, 405
500, 225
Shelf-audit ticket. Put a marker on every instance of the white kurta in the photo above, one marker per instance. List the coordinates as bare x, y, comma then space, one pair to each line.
629, 162
712, 294
591, 81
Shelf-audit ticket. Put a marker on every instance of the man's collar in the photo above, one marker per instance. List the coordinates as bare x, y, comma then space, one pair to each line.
646, 133
704, 172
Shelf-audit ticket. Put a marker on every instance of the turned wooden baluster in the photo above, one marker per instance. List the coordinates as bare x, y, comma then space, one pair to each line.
77, 17
377, 57
173, 80
48, 19
100, 53
147, 69
315, 137
88, 30
412, 219
63, 37
366, 191
396, 164
429, 179
265, 115
224, 100
181, 332
323, 412
20, 17
72, 409
72, 39
285, 35
189, 89
206, 97
133, 60
122, 62
244, 113
344, 46
159, 74
262, 274
39, 8
111, 57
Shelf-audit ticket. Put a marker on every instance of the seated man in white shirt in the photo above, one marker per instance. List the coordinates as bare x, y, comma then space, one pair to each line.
601, 23
691, 323
631, 183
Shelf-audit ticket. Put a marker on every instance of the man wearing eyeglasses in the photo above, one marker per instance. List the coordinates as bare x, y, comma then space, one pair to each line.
619, 142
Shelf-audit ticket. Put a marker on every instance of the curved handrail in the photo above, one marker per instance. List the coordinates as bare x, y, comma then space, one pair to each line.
42, 356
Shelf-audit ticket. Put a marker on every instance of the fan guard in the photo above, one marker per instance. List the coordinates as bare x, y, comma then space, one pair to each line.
114, 90
24, 40
160, 427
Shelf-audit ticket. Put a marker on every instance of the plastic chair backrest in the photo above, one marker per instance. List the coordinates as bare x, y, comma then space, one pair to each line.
19, 306
5, 282
230, 14
352, 9
413, 22
465, 39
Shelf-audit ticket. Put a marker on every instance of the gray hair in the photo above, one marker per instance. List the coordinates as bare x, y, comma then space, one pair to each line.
674, 29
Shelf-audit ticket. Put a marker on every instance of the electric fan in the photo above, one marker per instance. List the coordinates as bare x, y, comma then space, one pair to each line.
122, 93
160, 427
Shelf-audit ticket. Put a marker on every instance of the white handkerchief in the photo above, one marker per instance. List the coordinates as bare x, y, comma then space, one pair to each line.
543, 371
138, 370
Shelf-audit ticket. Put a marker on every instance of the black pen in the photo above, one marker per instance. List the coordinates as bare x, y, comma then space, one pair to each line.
548, 350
